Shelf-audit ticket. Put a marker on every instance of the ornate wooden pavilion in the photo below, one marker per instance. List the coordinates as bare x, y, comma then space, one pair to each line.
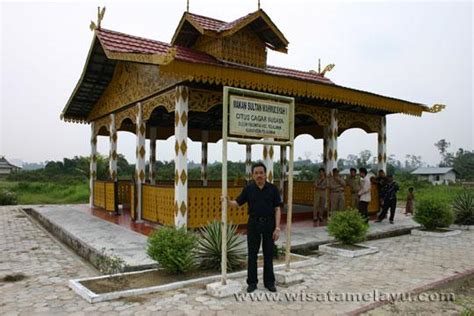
157, 90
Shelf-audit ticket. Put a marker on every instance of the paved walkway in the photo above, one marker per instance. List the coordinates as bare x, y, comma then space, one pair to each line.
83, 230
403, 263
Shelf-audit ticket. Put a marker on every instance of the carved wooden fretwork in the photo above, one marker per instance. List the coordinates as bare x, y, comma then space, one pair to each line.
102, 122
322, 116
130, 113
203, 100
167, 100
131, 82
370, 123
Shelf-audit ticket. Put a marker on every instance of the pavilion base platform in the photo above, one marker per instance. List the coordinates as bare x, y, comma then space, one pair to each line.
88, 235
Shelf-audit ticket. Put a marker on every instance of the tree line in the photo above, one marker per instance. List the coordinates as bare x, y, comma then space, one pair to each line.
76, 169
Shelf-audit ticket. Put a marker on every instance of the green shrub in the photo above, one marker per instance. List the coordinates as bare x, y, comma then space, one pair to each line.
278, 252
8, 198
463, 207
348, 227
433, 213
173, 249
210, 246
107, 263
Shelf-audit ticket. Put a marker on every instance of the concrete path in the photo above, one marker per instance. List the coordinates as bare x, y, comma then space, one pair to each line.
88, 235
403, 263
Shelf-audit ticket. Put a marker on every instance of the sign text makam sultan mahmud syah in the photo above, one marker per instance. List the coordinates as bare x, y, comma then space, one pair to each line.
258, 118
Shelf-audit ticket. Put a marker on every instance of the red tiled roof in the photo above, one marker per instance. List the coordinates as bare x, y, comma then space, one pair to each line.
206, 22
215, 25
123, 43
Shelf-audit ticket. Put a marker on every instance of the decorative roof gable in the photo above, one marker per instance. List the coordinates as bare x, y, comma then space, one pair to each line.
243, 41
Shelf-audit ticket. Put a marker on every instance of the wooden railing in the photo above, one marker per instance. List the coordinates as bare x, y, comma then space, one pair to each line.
158, 204
304, 191
124, 192
105, 195
204, 203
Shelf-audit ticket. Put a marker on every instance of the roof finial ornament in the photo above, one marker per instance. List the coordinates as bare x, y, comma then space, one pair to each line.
326, 69
100, 17
259, 4
187, 5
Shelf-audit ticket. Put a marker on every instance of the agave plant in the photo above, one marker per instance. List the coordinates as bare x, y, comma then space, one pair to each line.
210, 246
463, 206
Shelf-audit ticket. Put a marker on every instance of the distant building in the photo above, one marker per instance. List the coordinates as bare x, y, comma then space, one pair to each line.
436, 175
6, 168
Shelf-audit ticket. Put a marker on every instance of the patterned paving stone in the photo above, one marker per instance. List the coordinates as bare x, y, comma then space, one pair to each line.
403, 263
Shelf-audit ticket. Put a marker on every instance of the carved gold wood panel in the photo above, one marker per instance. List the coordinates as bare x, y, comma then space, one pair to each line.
130, 113
167, 100
260, 81
370, 123
321, 115
100, 123
203, 100
130, 83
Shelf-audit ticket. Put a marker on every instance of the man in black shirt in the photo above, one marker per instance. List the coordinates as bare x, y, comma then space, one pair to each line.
390, 199
264, 203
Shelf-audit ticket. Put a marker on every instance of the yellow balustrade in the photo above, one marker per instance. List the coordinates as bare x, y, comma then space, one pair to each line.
158, 204
124, 192
204, 205
99, 194
105, 195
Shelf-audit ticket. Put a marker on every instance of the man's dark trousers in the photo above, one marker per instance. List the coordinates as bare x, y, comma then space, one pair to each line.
388, 204
364, 210
260, 230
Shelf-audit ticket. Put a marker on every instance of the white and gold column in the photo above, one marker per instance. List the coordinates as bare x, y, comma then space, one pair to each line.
248, 162
93, 165
140, 161
283, 165
204, 141
152, 162
325, 148
268, 160
113, 149
331, 158
180, 161
382, 145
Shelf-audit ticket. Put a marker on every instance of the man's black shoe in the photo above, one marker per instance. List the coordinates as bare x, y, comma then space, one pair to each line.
271, 288
251, 288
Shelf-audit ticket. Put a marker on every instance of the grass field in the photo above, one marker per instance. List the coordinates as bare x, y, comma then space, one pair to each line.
422, 190
47, 192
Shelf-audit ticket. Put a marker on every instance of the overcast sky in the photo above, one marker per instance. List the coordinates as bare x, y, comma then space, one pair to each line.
418, 51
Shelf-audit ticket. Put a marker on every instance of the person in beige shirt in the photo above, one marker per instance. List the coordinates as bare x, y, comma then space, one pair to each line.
319, 205
364, 194
336, 188
353, 182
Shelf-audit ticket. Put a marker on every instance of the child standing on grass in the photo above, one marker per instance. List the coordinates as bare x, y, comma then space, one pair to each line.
410, 199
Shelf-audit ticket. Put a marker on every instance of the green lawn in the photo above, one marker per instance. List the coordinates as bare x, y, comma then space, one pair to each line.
446, 193
47, 192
